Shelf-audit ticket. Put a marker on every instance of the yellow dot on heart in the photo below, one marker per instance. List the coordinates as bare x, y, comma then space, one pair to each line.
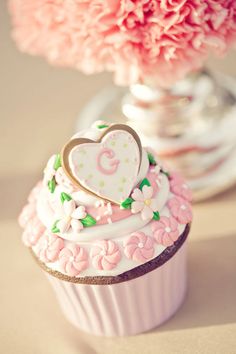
121, 189
127, 160
81, 165
101, 184
123, 180
113, 143
82, 152
90, 175
125, 145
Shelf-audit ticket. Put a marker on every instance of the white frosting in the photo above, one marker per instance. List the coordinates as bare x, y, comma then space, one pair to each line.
111, 231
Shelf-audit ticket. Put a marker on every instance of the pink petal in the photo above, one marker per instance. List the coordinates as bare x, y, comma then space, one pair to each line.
147, 192
97, 262
63, 225
107, 265
69, 207
148, 253
146, 213
129, 250
138, 256
79, 213
137, 195
76, 225
137, 206
149, 243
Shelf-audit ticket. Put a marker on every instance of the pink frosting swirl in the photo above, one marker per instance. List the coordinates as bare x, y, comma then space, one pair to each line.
34, 229
165, 231
73, 259
139, 247
28, 212
105, 255
48, 247
180, 209
180, 188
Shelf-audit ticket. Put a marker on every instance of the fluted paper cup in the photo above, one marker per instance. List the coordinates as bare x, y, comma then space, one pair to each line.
129, 307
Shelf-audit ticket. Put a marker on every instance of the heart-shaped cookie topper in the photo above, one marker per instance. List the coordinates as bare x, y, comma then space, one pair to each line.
107, 168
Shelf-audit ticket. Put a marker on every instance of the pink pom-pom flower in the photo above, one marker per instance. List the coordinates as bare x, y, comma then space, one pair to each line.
105, 255
165, 231
180, 209
134, 39
48, 247
73, 259
139, 247
180, 188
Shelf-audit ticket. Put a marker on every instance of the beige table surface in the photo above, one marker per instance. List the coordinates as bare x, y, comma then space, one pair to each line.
38, 106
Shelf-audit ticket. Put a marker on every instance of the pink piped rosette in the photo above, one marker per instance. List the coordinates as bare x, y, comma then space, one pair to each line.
107, 259
105, 255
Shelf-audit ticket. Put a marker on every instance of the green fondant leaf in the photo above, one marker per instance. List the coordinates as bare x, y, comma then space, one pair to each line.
151, 159
88, 221
65, 197
126, 204
52, 185
54, 228
145, 182
57, 162
156, 215
102, 126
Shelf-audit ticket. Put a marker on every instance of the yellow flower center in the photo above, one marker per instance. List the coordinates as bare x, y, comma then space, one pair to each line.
147, 202
68, 218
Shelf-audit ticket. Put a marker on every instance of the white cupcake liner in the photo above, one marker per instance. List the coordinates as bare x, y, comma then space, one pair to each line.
126, 308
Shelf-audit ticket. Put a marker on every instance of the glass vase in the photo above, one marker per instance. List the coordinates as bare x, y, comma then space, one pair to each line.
192, 126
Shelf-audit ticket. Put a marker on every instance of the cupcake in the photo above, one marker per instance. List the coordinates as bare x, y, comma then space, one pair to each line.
108, 225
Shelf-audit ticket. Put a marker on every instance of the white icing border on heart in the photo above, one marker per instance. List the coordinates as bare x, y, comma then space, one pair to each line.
112, 130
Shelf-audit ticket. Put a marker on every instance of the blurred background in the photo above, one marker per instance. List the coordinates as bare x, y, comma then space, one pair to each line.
39, 105
39, 108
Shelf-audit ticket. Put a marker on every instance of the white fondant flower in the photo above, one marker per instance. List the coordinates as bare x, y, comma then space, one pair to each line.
50, 171
72, 216
143, 202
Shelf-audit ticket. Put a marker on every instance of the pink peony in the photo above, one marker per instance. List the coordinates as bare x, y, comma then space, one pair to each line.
105, 255
135, 39
180, 209
48, 247
33, 231
165, 231
73, 259
139, 247
180, 188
